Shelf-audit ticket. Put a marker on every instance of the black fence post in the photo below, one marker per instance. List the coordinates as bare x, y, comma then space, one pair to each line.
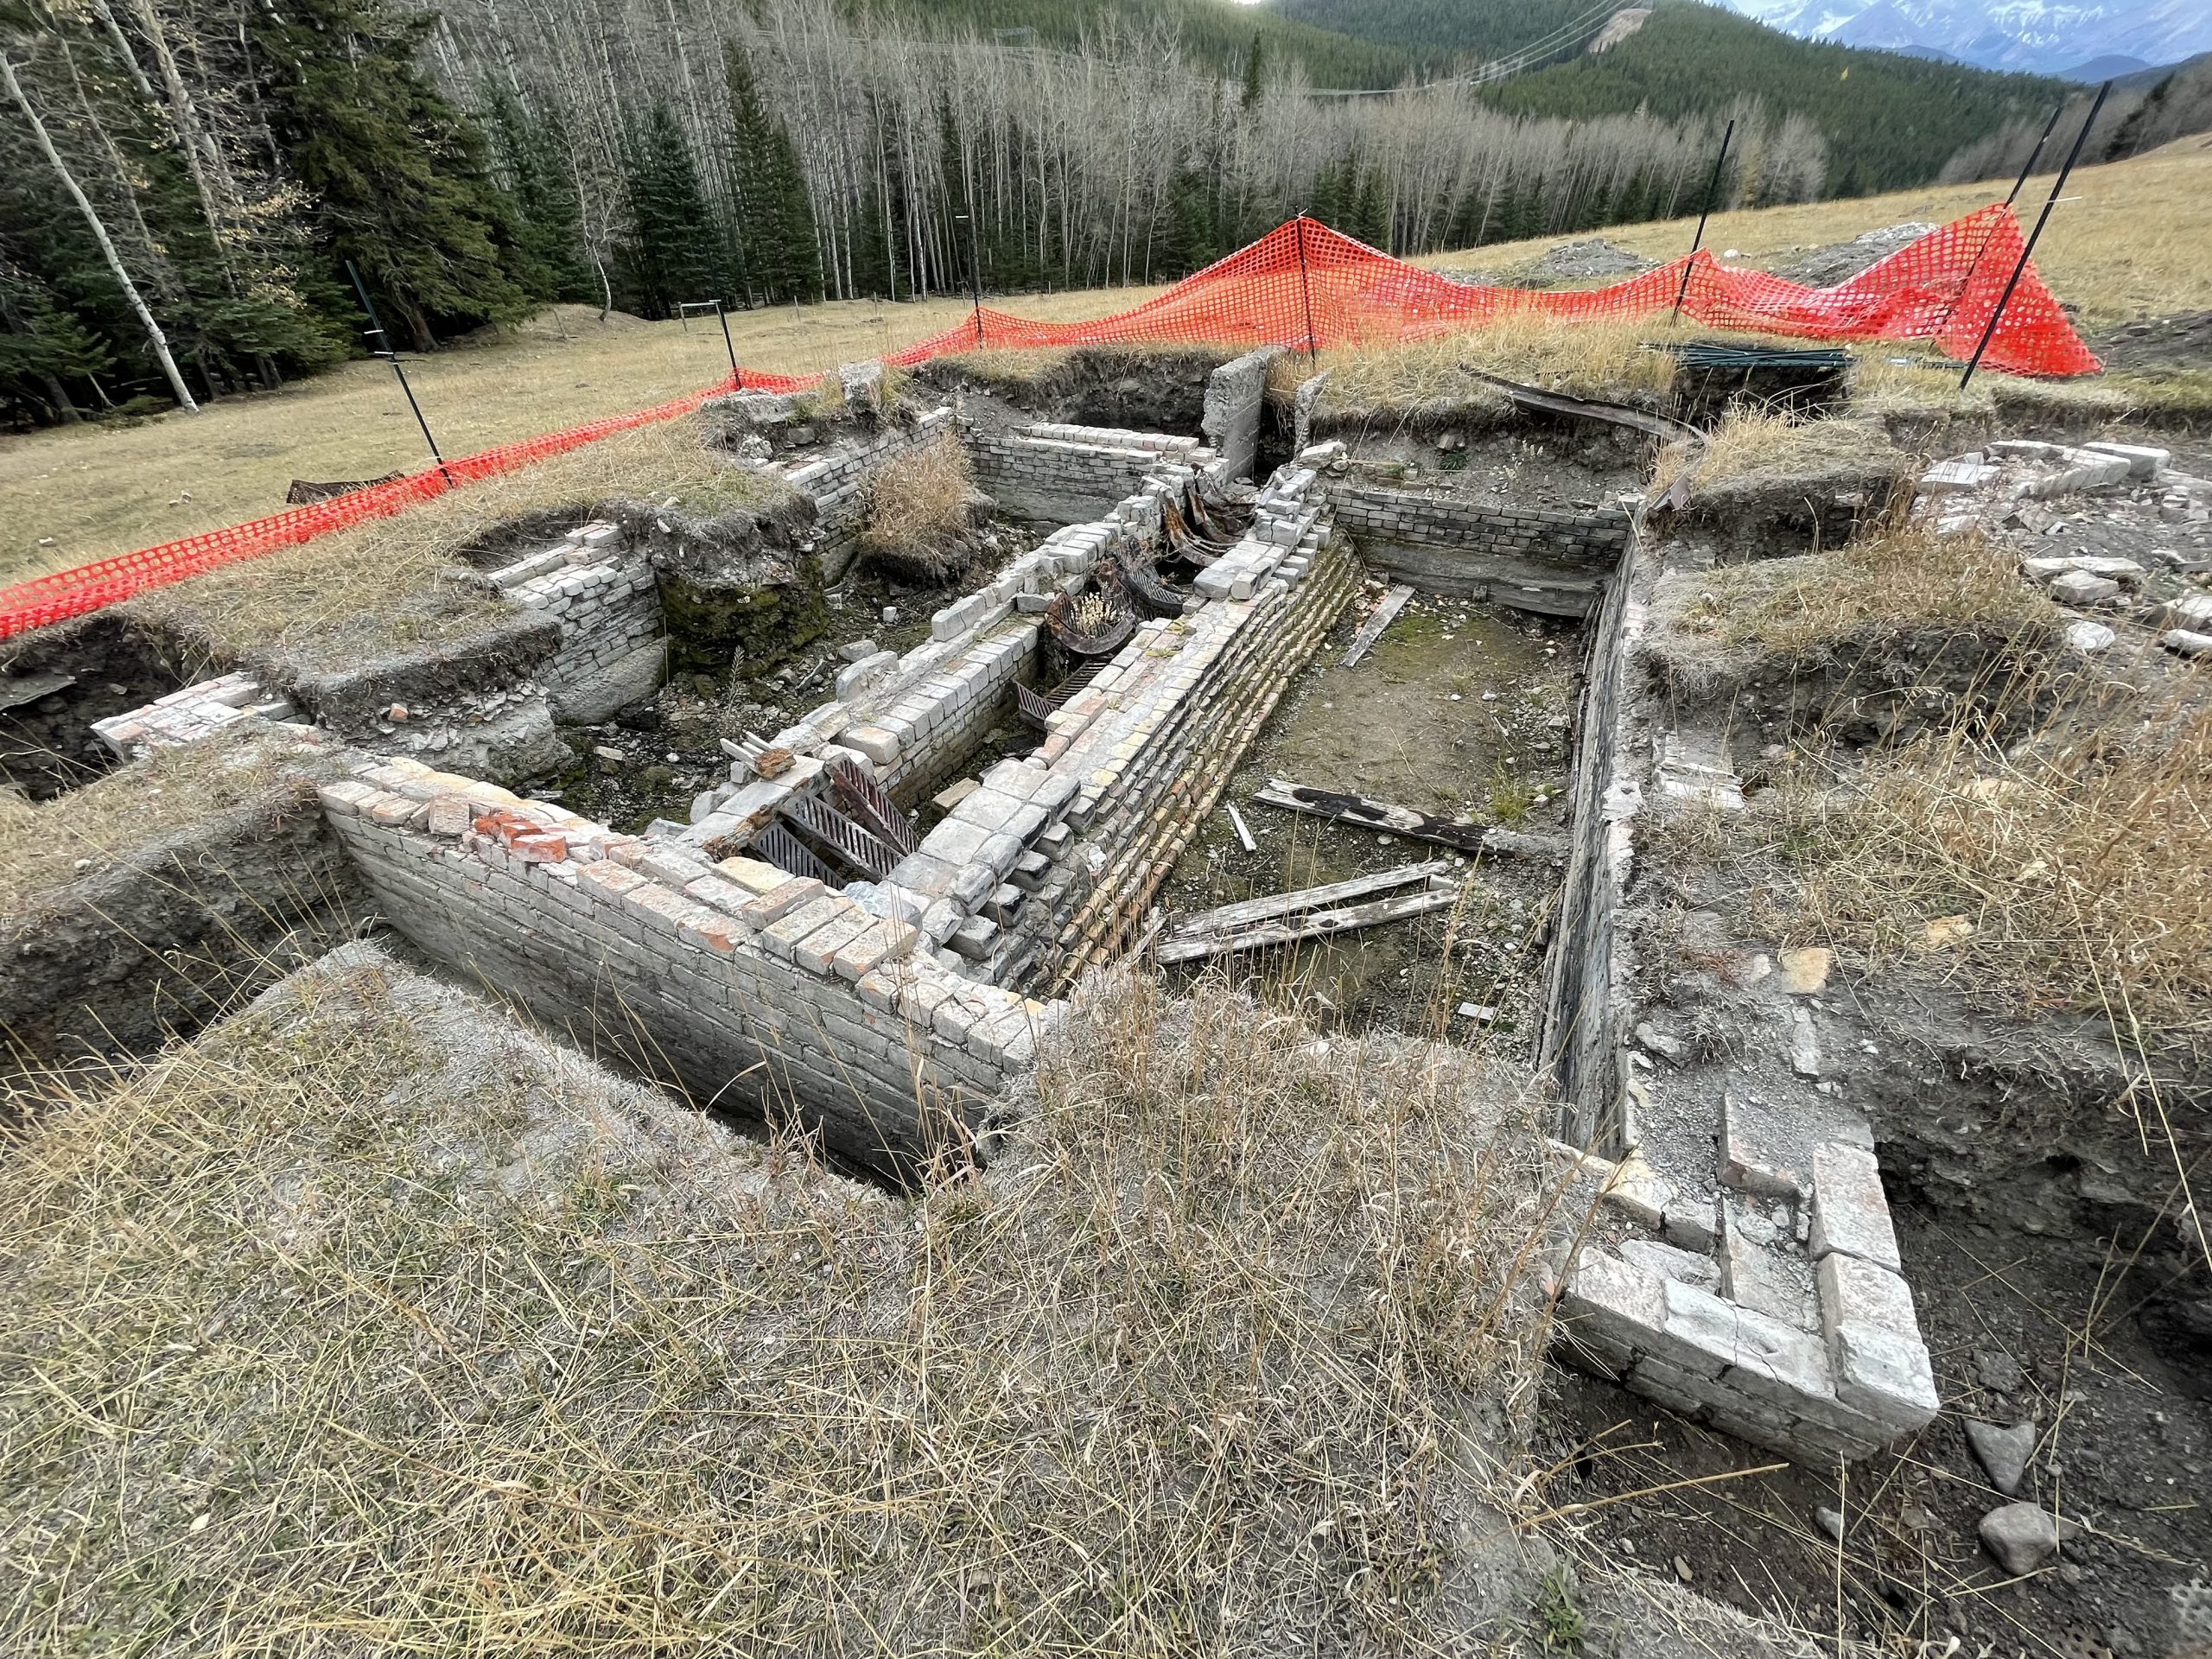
975, 275
1711, 185
1305, 294
383, 349
736, 380
2029, 166
2028, 248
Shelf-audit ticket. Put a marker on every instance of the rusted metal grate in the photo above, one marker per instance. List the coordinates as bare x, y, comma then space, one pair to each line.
865, 801
787, 853
854, 844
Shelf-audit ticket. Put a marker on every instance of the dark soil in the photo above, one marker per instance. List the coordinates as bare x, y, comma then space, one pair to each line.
2178, 342
1460, 709
2126, 1451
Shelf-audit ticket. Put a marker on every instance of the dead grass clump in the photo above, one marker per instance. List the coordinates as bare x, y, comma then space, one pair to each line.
374, 590
1754, 449
49, 844
1610, 361
360, 1326
1895, 582
920, 515
2078, 867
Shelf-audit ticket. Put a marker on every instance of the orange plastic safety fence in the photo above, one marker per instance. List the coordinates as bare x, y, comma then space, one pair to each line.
1301, 285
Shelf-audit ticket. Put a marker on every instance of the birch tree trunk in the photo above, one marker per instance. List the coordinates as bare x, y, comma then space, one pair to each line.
155, 337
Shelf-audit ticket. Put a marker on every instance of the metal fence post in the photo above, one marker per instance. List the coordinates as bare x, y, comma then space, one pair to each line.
1712, 185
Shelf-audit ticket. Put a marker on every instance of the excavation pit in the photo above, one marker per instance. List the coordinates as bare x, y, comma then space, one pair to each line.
1460, 709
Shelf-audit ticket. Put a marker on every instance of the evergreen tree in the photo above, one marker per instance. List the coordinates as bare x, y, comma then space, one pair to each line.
549, 255
779, 255
672, 252
398, 176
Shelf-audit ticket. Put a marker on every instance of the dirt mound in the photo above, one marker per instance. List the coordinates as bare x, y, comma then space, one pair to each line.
1576, 261
2181, 342
551, 322
1840, 261
1570, 262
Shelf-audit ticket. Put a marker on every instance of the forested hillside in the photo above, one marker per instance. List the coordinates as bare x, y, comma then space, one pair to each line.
1482, 29
183, 182
1889, 121
1216, 33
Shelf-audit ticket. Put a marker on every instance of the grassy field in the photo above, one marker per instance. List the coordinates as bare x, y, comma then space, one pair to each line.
2127, 241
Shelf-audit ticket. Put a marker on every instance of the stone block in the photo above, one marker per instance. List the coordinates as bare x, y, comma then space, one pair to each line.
1853, 1292
2143, 461
778, 902
1615, 1302
1885, 1375
2080, 588
1850, 1213
873, 741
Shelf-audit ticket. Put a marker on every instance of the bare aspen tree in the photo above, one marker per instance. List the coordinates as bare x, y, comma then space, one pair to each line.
154, 338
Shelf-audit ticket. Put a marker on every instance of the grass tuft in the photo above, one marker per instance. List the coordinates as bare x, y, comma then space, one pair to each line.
364, 1324
920, 518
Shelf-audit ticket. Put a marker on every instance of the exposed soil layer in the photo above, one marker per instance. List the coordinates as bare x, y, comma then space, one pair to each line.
2181, 342
56, 683
1148, 389
1458, 709
2020, 1327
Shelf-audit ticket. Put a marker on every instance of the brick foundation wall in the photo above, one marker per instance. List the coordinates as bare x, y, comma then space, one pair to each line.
1550, 560
837, 485
1057, 474
756, 991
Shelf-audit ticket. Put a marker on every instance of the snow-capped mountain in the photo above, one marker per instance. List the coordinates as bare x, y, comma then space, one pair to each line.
2045, 36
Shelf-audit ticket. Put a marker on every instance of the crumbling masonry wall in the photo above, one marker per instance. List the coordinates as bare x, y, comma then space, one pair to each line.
755, 990
1550, 560
1053, 473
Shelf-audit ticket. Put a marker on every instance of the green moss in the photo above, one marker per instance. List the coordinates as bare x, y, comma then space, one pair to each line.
709, 624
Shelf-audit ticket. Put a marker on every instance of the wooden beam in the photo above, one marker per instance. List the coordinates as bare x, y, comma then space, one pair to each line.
1246, 911
1243, 831
1312, 925
1371, 630
1341, 806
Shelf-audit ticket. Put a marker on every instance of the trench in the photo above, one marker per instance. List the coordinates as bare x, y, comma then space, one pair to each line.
59, 681
1462, 709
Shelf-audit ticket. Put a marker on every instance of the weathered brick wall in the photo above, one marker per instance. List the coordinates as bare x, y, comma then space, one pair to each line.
603, 594
1765, 1294
837, 484
1053, 473
756, 991
1547, 559
1660, 1320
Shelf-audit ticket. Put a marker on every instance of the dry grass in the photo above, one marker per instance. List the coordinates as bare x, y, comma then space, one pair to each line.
2078, 861
1604, 359
97, 490
2129, 241
49, 845
356, 1328
374, 589
918, 520
1894, 581
1891, 385
1752, 448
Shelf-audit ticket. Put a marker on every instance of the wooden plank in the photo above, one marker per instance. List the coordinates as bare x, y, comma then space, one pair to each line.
1346, 808
1249, 911
1371, 630
1315, 925
1241, 827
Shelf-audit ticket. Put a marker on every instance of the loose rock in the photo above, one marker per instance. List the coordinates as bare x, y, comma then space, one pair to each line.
2003, 1452
2024, 1537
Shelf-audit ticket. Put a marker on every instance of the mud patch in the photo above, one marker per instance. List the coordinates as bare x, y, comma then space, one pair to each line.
58, 682
1460, 709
